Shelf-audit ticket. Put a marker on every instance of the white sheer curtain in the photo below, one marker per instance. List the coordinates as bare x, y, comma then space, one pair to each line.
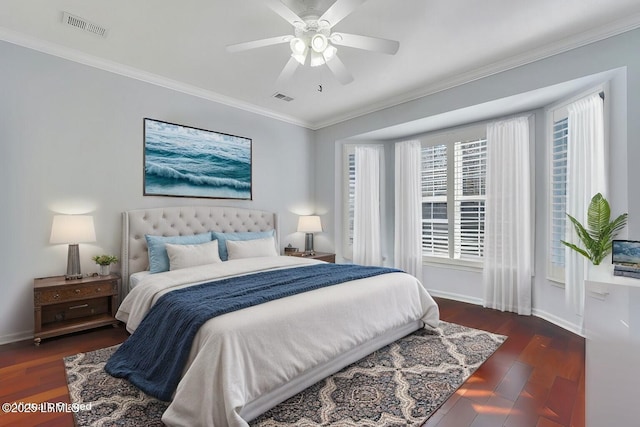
507, 242
408, 213
366, 212
585, 178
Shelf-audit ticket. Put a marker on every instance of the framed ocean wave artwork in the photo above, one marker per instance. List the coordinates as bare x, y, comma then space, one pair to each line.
184, 161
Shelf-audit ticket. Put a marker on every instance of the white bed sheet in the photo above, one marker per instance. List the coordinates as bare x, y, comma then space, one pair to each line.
136, 278
240, 356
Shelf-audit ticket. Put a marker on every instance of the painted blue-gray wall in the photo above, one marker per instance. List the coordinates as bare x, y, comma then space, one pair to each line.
71, 141
619, 52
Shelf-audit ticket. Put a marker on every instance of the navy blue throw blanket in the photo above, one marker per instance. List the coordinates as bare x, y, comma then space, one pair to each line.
154, 357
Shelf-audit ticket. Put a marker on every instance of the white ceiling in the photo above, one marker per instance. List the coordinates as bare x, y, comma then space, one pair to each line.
442, 43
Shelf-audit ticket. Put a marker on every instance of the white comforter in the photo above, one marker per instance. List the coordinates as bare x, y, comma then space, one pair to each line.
239, 356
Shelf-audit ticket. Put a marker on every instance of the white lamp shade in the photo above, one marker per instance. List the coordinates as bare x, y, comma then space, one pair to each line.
72, 229
309, 224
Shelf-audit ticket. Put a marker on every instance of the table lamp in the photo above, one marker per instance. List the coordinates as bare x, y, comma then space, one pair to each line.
73, 229
309, 224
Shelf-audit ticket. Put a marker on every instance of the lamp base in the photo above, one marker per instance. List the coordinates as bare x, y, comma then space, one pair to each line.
73, 263
308, 245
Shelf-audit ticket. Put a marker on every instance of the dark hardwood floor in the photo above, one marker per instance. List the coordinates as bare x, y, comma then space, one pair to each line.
535, 379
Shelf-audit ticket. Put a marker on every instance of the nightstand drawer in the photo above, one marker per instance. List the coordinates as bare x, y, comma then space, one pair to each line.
74, 310
78, 292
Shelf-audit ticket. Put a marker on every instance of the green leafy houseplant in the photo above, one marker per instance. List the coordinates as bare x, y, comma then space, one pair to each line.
105, 259
598, 237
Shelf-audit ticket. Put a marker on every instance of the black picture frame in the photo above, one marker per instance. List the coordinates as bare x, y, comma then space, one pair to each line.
185, 161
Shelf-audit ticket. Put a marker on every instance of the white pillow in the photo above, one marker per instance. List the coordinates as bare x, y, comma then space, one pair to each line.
251, 248
183, 256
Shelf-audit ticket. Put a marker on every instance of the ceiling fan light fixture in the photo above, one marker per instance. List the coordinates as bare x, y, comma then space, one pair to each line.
329, 53
298, 46
300, 58
313, 38
323, 23
319, 43
317, 59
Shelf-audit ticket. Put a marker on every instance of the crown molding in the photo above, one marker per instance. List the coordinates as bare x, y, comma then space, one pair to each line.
615, 28
74, 55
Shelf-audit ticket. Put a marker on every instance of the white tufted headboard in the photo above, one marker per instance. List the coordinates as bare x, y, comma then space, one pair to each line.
182, 221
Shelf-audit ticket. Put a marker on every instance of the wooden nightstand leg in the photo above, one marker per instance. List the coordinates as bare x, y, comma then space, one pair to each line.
37, 323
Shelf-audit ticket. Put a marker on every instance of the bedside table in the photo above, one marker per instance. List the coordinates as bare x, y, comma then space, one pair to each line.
64, 306
322, 256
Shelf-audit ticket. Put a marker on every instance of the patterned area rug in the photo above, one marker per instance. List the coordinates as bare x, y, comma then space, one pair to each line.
398, 385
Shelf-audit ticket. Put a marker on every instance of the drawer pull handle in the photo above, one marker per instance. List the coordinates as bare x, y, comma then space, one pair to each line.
78, 306
77, 291
56, 296
98, 290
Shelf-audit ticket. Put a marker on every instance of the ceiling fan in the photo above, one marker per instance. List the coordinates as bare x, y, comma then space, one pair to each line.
313, 38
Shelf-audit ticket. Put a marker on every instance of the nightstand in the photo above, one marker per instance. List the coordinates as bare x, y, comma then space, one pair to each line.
322, 256
64, 306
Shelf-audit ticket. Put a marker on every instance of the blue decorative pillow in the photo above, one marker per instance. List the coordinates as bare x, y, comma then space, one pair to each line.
158, 258
246, 235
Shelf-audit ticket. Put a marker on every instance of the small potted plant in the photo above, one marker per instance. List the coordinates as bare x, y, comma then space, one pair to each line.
597, 237
104, 263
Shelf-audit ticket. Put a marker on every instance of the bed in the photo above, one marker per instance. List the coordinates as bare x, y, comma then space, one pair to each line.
246, 362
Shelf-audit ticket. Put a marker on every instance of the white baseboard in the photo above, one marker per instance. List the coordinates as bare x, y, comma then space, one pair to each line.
456, 297
18, 336
571, 327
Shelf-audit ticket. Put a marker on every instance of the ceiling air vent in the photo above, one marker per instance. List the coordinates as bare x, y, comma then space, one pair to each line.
83, 24
282, 96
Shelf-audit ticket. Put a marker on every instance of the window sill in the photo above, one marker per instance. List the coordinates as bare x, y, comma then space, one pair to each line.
455, 264
556, 283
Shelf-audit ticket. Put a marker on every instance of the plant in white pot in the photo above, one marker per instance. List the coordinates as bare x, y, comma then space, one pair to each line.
104, 263
600, 232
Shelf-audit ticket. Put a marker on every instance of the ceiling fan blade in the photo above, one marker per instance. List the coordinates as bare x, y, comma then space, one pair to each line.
287, 71
339, 70
390, 47
239, 47
289, 15
339, 10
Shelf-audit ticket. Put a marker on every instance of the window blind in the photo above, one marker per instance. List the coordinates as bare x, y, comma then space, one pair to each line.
558, 197
453, 199
435, 224
470, 192
351, 193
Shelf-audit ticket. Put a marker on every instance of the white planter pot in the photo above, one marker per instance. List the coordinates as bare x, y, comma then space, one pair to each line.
104, 270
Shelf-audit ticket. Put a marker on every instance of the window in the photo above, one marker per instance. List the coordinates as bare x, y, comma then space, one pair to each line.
558, 131
558, 195
348, 191
453, 195
435, 226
